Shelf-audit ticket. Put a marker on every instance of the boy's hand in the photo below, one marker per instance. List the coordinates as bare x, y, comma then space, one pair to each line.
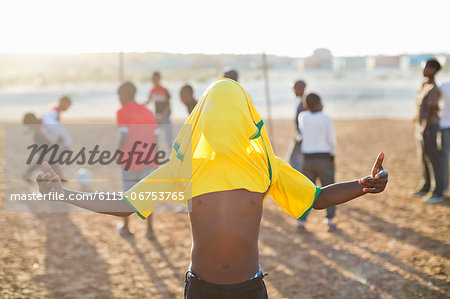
376, 182
49, 181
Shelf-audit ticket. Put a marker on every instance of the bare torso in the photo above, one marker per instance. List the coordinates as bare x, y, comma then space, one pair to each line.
225, 228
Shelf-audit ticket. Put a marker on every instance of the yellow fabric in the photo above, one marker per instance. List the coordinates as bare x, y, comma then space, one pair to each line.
224, 146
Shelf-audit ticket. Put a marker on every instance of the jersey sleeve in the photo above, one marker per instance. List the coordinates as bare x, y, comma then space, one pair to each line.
159, 186
293, 191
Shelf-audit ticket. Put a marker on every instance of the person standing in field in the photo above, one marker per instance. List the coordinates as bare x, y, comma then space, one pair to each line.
187, 97
161, 97
51, 122
426, 132
295, 154
33, 124
48, 130
231, 74
318, 149
135, 124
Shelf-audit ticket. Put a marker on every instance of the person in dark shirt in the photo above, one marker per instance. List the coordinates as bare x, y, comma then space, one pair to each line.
295, 155
187, 97
427, 128
161, 97
231, 74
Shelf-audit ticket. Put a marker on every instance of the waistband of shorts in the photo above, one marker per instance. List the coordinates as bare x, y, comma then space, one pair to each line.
317, 155
236, 287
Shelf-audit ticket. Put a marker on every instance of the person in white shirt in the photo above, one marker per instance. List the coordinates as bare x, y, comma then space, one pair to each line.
445, 130
318, 148
48, 131
51, 123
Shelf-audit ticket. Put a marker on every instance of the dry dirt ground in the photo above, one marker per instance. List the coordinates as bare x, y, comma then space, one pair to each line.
387, 246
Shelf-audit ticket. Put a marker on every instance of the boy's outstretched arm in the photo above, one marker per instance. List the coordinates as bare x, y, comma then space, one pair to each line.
49, 181
338, 193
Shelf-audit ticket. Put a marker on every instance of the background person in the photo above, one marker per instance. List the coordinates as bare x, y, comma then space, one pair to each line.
187, 97
295, 153
161, 97
34, 125
426, 131
231, 74
135, 123
319, 149
51, 123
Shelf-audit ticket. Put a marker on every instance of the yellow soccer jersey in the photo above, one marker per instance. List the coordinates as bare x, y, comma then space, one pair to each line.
223, 145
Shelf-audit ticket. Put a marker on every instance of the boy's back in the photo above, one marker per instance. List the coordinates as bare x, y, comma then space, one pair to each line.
318, 133
225, 228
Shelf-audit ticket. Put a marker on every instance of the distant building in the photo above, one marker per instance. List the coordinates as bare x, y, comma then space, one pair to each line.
377, 62
321, 59
349, 63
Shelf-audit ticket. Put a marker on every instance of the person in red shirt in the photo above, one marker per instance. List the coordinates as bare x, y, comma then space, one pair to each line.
161, 97
137, 127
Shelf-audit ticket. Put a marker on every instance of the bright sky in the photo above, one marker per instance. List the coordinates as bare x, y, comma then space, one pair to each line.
293, 28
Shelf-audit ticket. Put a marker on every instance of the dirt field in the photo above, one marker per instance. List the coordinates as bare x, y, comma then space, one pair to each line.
387, 246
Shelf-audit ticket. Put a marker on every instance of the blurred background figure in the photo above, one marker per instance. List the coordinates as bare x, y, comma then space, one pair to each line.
48, 130
161, 97
318, 148
187, 97
445, 132
51, 123
135, 123
231, 74
34, 125
295, 154
426, 132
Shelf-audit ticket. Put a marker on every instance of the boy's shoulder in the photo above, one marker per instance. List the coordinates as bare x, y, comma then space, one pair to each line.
329, 119
304, 112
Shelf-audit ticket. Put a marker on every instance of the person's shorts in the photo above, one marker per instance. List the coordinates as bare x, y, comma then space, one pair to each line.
197, 288
132, 177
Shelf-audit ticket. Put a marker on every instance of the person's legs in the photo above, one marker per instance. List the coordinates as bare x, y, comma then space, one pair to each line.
295, 157
309, 169
434, 155
129, 179
326, 176
445, 142
425, 180
125, 228
141, 174
167, 127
